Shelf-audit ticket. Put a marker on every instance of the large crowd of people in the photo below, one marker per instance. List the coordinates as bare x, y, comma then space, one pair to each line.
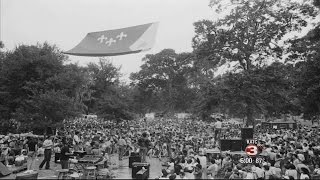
188, 149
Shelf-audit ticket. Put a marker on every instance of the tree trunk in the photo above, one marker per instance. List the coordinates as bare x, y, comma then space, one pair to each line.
249, 113
171, 105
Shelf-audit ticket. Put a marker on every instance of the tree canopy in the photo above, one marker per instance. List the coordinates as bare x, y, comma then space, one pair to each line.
247, 63
253, 35
39, 88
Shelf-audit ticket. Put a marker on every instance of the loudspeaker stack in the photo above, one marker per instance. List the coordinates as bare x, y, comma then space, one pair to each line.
246, 133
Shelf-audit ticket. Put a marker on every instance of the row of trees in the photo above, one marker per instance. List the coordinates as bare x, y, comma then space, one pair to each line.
271, 73
38, 88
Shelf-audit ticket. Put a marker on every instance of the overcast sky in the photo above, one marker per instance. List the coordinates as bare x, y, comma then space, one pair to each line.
66, 22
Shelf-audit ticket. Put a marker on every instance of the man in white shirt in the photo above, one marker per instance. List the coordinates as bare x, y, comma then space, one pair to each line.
203, 163
217, 127
212, 170
76, 141
47, 145
76, 138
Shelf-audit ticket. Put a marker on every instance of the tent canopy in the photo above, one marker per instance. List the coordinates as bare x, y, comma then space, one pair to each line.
116, 42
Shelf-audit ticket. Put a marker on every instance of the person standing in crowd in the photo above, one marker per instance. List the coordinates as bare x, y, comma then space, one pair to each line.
248, 173
4, 152
291, 171
198, 172
122, 147
217, 129
96, 137
188, 137
258, 172
144, 143
32, 145
96, 149
108, 145
167, 139
76, 140
64, 157
47, 145
268, 174
228, 173
212, 170
189, 168
203, 163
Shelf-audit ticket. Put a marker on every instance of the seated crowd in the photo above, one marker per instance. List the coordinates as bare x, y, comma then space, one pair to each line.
181, 145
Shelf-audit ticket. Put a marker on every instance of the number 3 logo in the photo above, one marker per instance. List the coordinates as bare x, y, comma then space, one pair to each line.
251, 150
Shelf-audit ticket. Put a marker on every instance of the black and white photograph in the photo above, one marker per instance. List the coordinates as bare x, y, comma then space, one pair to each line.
160, 89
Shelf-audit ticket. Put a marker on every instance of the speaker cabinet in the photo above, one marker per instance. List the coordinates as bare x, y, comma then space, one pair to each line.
231, 144
246, 133
136, 167
133, 159
236, 145
134, 154
49, 131
225, 144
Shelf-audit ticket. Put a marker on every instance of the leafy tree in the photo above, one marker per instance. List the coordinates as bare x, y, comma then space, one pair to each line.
5, 124
115, 106
268, 88
278, 90
249, 35
46, 109
3, 93
25, 82
163, 79
108, 98
27, 68
73, 81
305, 53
